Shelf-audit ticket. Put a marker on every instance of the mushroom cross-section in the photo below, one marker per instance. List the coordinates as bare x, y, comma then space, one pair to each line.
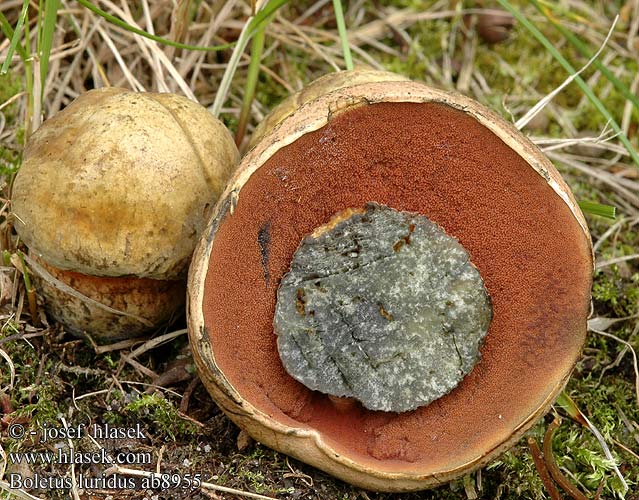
420, 151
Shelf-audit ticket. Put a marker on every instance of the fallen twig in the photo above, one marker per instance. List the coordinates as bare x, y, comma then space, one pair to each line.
116, 469
542, 470
553, 468
17, 493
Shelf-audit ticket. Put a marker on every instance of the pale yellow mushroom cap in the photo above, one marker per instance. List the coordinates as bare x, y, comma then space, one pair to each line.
118, 183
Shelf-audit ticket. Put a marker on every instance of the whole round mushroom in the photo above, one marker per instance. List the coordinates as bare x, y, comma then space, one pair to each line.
343, 187
111, 197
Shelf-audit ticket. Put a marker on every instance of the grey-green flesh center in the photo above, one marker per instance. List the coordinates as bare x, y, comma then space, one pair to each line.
385, 308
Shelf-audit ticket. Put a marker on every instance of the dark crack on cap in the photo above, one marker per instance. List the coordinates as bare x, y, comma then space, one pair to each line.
382, 306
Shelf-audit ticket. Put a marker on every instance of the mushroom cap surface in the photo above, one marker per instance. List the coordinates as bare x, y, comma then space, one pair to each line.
119, 183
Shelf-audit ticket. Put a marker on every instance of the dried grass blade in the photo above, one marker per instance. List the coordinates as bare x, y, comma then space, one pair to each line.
132, 80
635, 363
12, 368
569, 68
157, 65
616, 260
18, 262
45, 275
542, 470
180, 20
116, 469
523, 121
247, 32
583, 49
155, 38
155, 53
553, 468
17, 493
74, 482
157, 341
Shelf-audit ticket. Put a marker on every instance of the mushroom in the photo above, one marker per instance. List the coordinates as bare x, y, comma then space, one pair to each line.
112, 195
492, 25
305, 189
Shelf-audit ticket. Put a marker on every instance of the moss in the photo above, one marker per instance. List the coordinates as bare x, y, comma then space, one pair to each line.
230, 121
254, 470
161, 416
110, 362
513, 476
39, 394
614, 295
9, 86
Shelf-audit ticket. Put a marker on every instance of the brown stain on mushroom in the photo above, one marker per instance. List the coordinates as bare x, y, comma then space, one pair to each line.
426, 158
263, 241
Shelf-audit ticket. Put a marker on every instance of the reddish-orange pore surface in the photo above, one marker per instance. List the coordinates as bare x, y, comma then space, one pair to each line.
431, 159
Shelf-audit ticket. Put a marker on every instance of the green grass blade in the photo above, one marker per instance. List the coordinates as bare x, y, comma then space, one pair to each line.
8, 32
270, 8
145, 34
252, 76
46, 39
25, 273
343, 35
583, 49
15, 39
39, 23
593, 208
245, 36
229, 72
28, 85
568, 67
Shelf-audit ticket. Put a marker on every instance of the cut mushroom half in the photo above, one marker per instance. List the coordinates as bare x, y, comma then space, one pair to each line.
416, 150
